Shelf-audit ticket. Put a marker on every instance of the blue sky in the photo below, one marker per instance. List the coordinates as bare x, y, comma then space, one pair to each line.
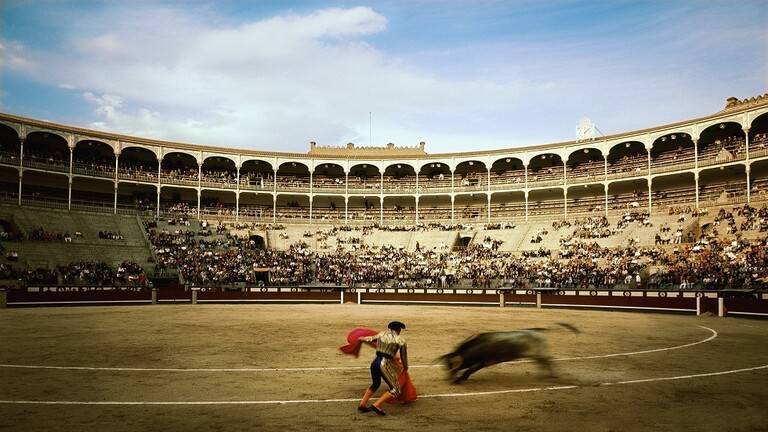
460, 75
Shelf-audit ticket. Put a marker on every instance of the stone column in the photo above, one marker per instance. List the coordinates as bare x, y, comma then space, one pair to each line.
159, 187
565, 202
381, 210
199, 193
21, 166
69, 188
417, 208
696, 183
489, 206
526, 205
650, 180
453, 217
237, 197
746, 149
117, 181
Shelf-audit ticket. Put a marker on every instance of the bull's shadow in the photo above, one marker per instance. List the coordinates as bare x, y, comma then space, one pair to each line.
487, 349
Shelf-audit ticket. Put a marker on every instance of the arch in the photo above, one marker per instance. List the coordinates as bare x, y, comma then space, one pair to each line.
428, 162
758, 136
293, 175
507, 164
399, 178
364, 178
257, 174
218, 170
293, 166
670, 142
329, 176
435, 176
16, 127
129, 145
94, 154
586, 163
470, 175
218, 156
180, 167
139, 158
761, 114
672, 152
546, 169
507, 172
580, 151
721, 142
46, 133
10, 143
629, 158
396, 167
46, 147
192, 154
244, 160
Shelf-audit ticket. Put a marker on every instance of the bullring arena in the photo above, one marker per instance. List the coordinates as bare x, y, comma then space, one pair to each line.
169, 286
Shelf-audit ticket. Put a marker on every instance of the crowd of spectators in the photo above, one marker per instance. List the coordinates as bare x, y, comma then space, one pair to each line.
711, 261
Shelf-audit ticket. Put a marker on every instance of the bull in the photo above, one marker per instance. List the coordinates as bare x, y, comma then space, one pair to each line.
487, 349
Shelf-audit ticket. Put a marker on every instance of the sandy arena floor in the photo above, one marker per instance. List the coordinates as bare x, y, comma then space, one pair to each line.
668, 372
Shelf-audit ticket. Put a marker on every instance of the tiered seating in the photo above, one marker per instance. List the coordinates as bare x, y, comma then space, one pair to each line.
84, 247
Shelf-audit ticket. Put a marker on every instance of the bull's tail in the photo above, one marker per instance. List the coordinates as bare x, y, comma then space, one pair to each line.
561, 324
569, 327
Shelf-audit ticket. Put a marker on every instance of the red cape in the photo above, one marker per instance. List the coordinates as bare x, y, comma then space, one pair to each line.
407, 389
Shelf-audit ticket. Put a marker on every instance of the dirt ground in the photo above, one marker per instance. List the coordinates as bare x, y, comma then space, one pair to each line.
515, 397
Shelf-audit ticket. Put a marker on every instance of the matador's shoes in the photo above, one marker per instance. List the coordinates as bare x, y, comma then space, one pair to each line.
378, 411
363, 409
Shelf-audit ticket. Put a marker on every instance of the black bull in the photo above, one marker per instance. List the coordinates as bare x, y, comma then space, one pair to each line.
487, 349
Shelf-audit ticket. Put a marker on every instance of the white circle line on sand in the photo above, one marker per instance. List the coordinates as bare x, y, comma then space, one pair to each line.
315, 369
439, 395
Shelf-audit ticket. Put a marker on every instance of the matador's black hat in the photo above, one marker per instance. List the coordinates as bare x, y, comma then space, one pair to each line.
396, 325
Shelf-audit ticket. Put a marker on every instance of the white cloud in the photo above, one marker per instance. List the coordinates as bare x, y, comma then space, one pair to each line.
271, 84
13, 56
277, 83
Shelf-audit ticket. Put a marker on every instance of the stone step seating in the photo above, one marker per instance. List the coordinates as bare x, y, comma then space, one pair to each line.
440, 241
88, 224
49, 255
87, 248
510, 238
